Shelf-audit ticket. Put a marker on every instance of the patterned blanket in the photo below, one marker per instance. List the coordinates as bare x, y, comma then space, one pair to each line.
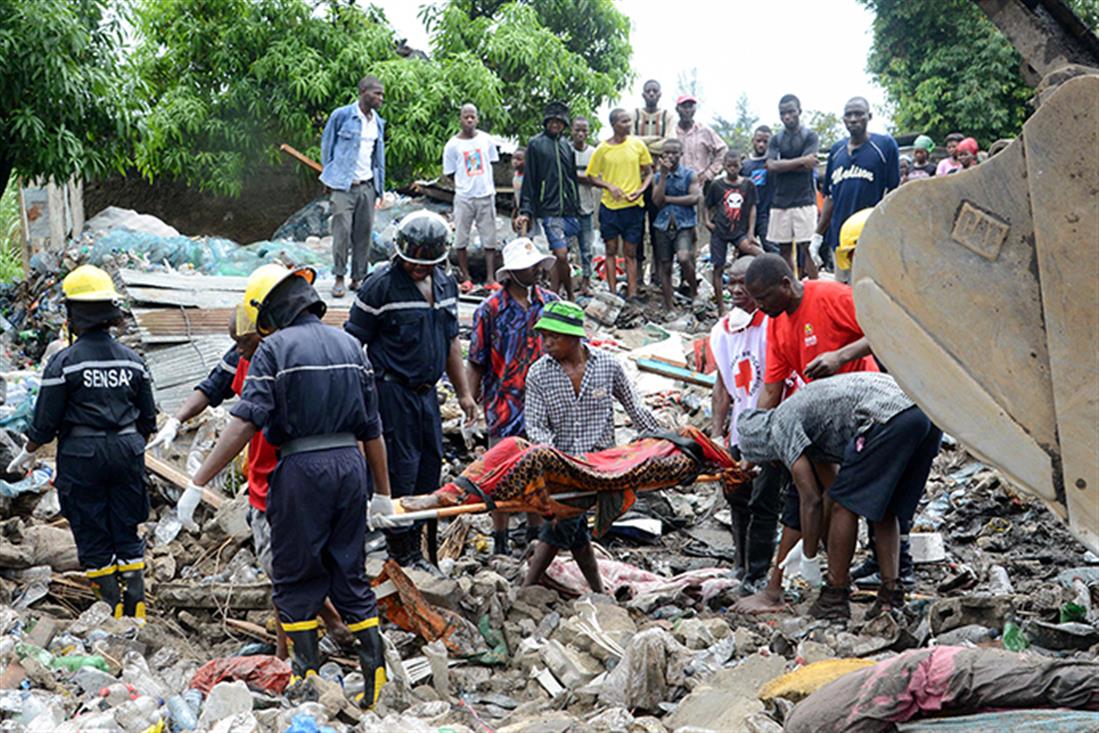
516, 470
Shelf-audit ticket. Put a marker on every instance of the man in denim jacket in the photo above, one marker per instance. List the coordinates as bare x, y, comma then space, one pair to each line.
353, 155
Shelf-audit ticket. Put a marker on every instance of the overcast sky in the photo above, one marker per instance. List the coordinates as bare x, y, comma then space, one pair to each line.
816, 50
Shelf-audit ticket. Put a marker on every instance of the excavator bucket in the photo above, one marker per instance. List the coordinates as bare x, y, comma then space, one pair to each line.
979, 291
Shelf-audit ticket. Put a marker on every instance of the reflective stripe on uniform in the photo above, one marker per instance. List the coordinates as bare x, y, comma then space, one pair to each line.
227, 367
131, 565
136, 366
300, 625
404, 305
100, 572
364, 624
52, 382
307, 368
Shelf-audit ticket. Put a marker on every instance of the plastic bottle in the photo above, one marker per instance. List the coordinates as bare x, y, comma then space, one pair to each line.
74, 662
91, 679
331, 672
25, 649
1014, 638
181, 716
194, 699
137, 715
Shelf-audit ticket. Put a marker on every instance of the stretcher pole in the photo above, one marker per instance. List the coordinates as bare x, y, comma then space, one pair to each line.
503, 506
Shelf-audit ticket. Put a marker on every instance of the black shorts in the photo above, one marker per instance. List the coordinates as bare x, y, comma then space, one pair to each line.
791, 508
627, 224
884, 470
668, 243
719, 249
565, 534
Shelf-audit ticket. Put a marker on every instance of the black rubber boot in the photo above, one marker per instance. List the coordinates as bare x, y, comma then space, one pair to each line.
133, 598
372, 659
500, 542
105, 587
306, 654
404, 547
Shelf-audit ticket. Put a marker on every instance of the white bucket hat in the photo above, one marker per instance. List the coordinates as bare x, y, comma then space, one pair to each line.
521, 253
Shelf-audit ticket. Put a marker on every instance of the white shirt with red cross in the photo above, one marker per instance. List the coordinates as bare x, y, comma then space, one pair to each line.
740, 355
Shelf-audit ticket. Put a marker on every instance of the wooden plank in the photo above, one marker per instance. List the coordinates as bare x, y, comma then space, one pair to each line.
664, 369
170, 473
205, 299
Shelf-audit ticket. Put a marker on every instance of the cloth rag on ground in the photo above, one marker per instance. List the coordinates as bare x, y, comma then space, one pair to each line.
517, 470
943, 681
625, 581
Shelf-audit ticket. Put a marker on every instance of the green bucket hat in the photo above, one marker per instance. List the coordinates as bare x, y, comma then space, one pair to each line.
561, 316
923, 141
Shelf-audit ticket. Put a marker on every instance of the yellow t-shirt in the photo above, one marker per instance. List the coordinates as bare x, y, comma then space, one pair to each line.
620, 164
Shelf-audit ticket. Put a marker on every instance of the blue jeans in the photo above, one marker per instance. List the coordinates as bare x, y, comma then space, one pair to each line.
558, 229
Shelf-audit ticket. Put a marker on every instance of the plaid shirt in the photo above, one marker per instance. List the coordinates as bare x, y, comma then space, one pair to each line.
505, 344
577, 423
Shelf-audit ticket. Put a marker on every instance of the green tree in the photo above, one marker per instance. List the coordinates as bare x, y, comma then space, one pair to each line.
737, 133
68, 99
232, 79
539, 50
828, 126
945, 67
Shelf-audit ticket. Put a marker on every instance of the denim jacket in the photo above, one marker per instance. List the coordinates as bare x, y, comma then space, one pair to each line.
340, 149
679, 184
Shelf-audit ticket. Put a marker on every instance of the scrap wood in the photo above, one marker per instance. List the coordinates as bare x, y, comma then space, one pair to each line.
178, 325
454, 539
169, 472
301, 157
408, 608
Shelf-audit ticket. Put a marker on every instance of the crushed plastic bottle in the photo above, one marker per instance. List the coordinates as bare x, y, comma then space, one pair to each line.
73, 662
90, 679
168, 528
181, 716
26, 649
138, 715
331, 672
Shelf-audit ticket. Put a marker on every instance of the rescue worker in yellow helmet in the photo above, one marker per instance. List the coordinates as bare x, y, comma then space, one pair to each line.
97, 400
849, 238
310, 389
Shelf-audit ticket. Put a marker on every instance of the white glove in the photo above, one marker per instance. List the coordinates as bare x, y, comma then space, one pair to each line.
379, 515
164, 438
808, 567
22, 463
185, 507
814, 248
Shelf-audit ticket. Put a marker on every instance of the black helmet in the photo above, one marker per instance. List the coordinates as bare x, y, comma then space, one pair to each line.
422, 238
556, 111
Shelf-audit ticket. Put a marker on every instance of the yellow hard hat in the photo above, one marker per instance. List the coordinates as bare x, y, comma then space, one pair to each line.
88, 283
849, 237
259, 286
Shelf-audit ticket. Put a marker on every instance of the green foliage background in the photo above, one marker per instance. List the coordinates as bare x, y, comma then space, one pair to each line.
231, 79
945, 67
69, 99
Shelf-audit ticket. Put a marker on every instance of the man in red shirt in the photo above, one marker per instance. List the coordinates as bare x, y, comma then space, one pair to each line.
225, 380
812, 334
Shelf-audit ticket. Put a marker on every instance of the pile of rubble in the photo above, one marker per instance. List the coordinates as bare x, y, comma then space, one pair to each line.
999, 580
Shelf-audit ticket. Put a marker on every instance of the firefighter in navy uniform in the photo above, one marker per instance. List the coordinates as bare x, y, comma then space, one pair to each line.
97, 400
406, 314
310, 388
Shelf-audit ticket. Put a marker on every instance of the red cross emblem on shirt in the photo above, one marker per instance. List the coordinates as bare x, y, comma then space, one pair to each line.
744, 374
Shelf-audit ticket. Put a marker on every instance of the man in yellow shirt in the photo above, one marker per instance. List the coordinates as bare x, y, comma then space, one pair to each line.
623, 168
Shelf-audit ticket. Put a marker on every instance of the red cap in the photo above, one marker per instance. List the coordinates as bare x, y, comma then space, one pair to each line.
685, 98
970, 145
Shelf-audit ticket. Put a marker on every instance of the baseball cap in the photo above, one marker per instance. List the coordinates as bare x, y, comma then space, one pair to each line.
685, 99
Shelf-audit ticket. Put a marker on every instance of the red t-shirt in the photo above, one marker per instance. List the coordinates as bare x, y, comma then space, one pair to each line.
825, 321
262, 457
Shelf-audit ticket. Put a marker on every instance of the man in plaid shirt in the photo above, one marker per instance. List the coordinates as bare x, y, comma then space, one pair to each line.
569, 405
